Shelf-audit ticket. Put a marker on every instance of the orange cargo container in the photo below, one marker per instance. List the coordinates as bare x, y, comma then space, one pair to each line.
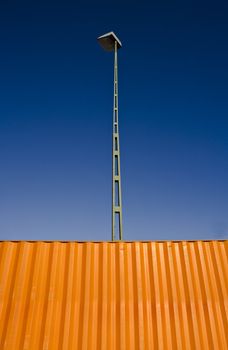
113, 295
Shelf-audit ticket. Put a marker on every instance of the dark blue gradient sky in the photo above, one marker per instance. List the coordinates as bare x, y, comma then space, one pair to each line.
56, 119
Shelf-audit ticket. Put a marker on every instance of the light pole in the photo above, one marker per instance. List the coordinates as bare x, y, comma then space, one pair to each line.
110, 42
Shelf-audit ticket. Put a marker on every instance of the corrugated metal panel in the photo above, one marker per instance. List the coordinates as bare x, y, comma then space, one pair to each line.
123, 295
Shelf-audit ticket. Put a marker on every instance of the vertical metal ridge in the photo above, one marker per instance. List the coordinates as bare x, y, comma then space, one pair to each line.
182, 250
93, 326
223, 258
67, 319
16, 309
202, 286
220, 276
7, 257
212, 272
179, 301
135, 295
221, 285
147, 296
140, 297
167, 282
82, 296
33, 323
109, 298
152, 295
177, 321
158, 296
186, 326
100, 262
196, 326
46, 287
118, 295
200, 296
112, 310
104, 294
208, 289
91, 299
63, 300
28, 292
204, 272
6, 315
165, 307
128, 299
121, 341
3, 246
53, 322
76, 292
132, 340
54, 294
84, 301
88, 286
223, 252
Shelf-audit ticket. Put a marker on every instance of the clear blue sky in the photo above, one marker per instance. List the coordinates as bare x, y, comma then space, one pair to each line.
56, 119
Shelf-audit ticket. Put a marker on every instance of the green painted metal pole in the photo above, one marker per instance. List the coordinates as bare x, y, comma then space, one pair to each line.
117, 228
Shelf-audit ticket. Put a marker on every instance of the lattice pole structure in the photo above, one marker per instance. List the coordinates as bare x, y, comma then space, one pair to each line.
110, 42
116, 174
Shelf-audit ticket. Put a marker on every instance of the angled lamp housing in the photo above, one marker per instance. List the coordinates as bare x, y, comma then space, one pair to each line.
107, 41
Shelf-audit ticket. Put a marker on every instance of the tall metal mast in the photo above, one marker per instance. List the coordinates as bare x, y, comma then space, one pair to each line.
110, 42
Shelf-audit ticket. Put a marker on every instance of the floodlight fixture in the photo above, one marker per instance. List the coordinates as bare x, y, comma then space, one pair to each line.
108, 40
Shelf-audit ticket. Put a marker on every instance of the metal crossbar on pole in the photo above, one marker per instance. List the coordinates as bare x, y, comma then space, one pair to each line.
110, 42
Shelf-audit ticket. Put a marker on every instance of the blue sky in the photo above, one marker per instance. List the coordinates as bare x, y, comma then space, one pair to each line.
56, 120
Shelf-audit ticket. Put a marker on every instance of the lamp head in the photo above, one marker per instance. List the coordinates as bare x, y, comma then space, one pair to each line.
107, 41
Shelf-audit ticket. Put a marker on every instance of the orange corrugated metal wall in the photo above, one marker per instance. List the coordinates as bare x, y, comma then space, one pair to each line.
120, 295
